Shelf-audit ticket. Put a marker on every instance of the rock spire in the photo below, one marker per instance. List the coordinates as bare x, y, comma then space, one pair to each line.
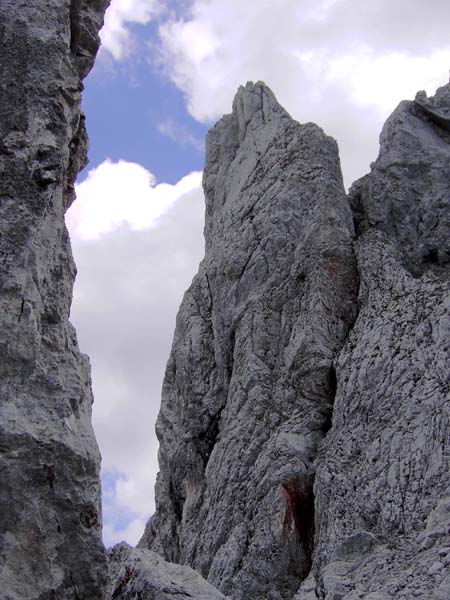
304, 423
249, 387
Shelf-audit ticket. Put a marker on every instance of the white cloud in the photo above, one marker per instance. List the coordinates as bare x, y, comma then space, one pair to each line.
131, 533
127, 292
122, 194
180, 134
129, 501
343, 64
115, 35
382, 80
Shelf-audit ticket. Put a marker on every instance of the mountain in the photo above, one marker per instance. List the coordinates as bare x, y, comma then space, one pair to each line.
249, 388
304, 425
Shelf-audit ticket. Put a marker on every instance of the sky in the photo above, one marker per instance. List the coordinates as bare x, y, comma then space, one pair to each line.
168, 70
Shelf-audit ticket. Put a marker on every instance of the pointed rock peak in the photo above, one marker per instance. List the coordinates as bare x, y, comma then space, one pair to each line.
439, 104
256, 100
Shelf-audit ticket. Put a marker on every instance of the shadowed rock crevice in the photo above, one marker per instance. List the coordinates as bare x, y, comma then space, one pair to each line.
74, 16
299, 516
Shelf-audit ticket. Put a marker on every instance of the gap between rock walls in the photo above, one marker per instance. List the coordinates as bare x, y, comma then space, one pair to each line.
304, 414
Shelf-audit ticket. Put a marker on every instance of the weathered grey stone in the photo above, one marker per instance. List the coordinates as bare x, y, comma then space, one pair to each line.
406, 195
244, 411
356, 544
249, 387
141, 573
384, 466
50, 520
308, 589
255, 491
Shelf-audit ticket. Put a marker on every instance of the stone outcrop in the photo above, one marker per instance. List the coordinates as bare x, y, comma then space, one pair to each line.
382, 484
140, 573
249, 388
299, 446
304, 425
50, 517
406, 195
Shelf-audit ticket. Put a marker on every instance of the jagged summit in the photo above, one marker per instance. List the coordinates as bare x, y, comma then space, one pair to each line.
406, 194
438, 106
305, 415
256, 99
259, 132
249, 386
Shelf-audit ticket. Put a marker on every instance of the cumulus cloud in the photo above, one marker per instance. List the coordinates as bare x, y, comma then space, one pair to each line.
129, 286
344, 64
123, 194
115, 35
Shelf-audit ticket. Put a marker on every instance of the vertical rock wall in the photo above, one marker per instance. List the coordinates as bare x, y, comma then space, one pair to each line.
304, 424
264, 484
249, 387
50, 520
383, 485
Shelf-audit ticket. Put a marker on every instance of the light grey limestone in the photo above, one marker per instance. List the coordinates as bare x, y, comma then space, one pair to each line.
141, 573
304, 425
308, 589
406, 195
248, 394
249, 387
50, 519
384, 466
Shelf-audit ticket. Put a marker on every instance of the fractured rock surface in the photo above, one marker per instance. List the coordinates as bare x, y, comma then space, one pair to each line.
140, 573
384, 468
249, 387
406, 195
255, 490
304, 425
50, 519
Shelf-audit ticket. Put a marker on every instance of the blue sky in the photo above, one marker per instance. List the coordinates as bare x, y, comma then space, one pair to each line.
167, 70
134, 112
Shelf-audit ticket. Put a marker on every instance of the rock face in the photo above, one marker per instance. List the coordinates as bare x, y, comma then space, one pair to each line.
249, 387
304, 424
382, 485
139, 573
50, 523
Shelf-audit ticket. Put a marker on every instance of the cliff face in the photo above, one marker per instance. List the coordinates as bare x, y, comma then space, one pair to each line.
50, 523
382, 486
304, 424
299, 445
249, 388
